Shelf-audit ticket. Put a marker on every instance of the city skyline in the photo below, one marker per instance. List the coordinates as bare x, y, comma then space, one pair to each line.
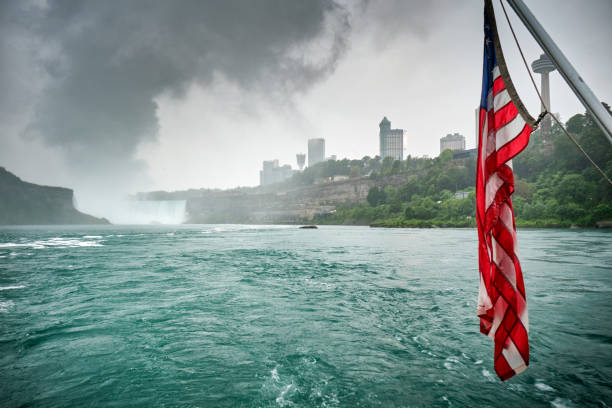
87, 106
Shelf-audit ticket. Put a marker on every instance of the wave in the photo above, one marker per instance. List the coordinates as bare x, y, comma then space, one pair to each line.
57, 242
5, 306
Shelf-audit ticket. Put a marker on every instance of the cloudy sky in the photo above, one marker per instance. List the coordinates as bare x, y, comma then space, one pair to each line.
109, 97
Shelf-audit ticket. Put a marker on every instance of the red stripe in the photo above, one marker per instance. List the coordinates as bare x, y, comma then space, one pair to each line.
521, 341
498, 85
515, 146
505, 115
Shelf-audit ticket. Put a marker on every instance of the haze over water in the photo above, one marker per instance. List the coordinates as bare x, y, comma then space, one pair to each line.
277, 316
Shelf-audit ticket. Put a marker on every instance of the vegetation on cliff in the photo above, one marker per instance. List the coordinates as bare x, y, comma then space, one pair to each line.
555, 186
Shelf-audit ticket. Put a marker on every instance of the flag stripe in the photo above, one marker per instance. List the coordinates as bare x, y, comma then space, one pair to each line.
498, 86
503, 133
501, 99
509, 131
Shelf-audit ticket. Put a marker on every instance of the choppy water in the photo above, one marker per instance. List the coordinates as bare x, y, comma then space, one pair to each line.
275, 316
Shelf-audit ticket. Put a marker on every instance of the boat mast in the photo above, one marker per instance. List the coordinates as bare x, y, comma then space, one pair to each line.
571, 76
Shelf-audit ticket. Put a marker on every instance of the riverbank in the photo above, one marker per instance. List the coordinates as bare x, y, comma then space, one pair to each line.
545, 223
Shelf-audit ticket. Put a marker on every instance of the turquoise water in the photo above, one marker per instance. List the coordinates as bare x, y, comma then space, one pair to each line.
244, 316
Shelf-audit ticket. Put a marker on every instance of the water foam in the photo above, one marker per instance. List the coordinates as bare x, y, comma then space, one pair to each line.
56, 242
5, 306
11, 287
544, 387
561, 403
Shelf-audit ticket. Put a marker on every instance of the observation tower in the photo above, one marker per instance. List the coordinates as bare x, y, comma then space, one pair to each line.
544, 66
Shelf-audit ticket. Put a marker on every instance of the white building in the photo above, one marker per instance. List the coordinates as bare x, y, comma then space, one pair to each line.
316, 151
454, 142
391, 141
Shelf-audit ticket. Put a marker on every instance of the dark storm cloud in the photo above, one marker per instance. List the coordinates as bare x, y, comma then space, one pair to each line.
106, 61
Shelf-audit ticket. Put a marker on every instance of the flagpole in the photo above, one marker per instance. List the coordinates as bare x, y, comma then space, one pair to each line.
571, 76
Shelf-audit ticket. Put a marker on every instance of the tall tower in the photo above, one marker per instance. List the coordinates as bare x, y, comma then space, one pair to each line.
316, 151
544, 66
391, 141
301, 160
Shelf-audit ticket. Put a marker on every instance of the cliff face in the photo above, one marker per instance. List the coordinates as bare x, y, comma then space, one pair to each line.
23, 203
293, 205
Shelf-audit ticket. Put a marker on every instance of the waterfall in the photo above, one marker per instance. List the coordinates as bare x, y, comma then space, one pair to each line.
149, 212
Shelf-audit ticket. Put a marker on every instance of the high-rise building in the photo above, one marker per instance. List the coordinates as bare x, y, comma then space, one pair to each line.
316, 151
301, 160
391, 141
273, 173
455, 142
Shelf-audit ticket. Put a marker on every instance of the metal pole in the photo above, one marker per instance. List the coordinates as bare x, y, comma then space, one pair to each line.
573, 79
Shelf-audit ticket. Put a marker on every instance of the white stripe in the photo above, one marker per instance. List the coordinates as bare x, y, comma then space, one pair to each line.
506, 217
521, 306
514, 358
510, 131
496, 73
501, 100
493, 184
498, 314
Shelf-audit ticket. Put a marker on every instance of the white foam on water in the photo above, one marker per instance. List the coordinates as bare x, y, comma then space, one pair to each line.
274, 373
5, 306
487, 374
516, 387
544, 387
10, 245
92, 236
11, 287
66, 243
451, 362
478, 362
56, 242
562, 403
280, 400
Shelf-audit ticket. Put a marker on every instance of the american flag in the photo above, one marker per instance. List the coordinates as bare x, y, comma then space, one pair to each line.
504, 129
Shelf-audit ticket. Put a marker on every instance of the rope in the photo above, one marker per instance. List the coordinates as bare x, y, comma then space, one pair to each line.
546, 110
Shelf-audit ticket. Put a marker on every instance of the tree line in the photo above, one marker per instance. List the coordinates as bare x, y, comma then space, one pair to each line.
555, 186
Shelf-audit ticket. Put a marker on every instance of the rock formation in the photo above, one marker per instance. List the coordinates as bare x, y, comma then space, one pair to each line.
23, 203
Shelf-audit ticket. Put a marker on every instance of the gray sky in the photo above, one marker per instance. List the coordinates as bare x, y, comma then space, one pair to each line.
109, 97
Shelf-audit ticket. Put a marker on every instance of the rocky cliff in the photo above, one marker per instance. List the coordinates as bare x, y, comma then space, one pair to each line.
275, 204
23, 203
